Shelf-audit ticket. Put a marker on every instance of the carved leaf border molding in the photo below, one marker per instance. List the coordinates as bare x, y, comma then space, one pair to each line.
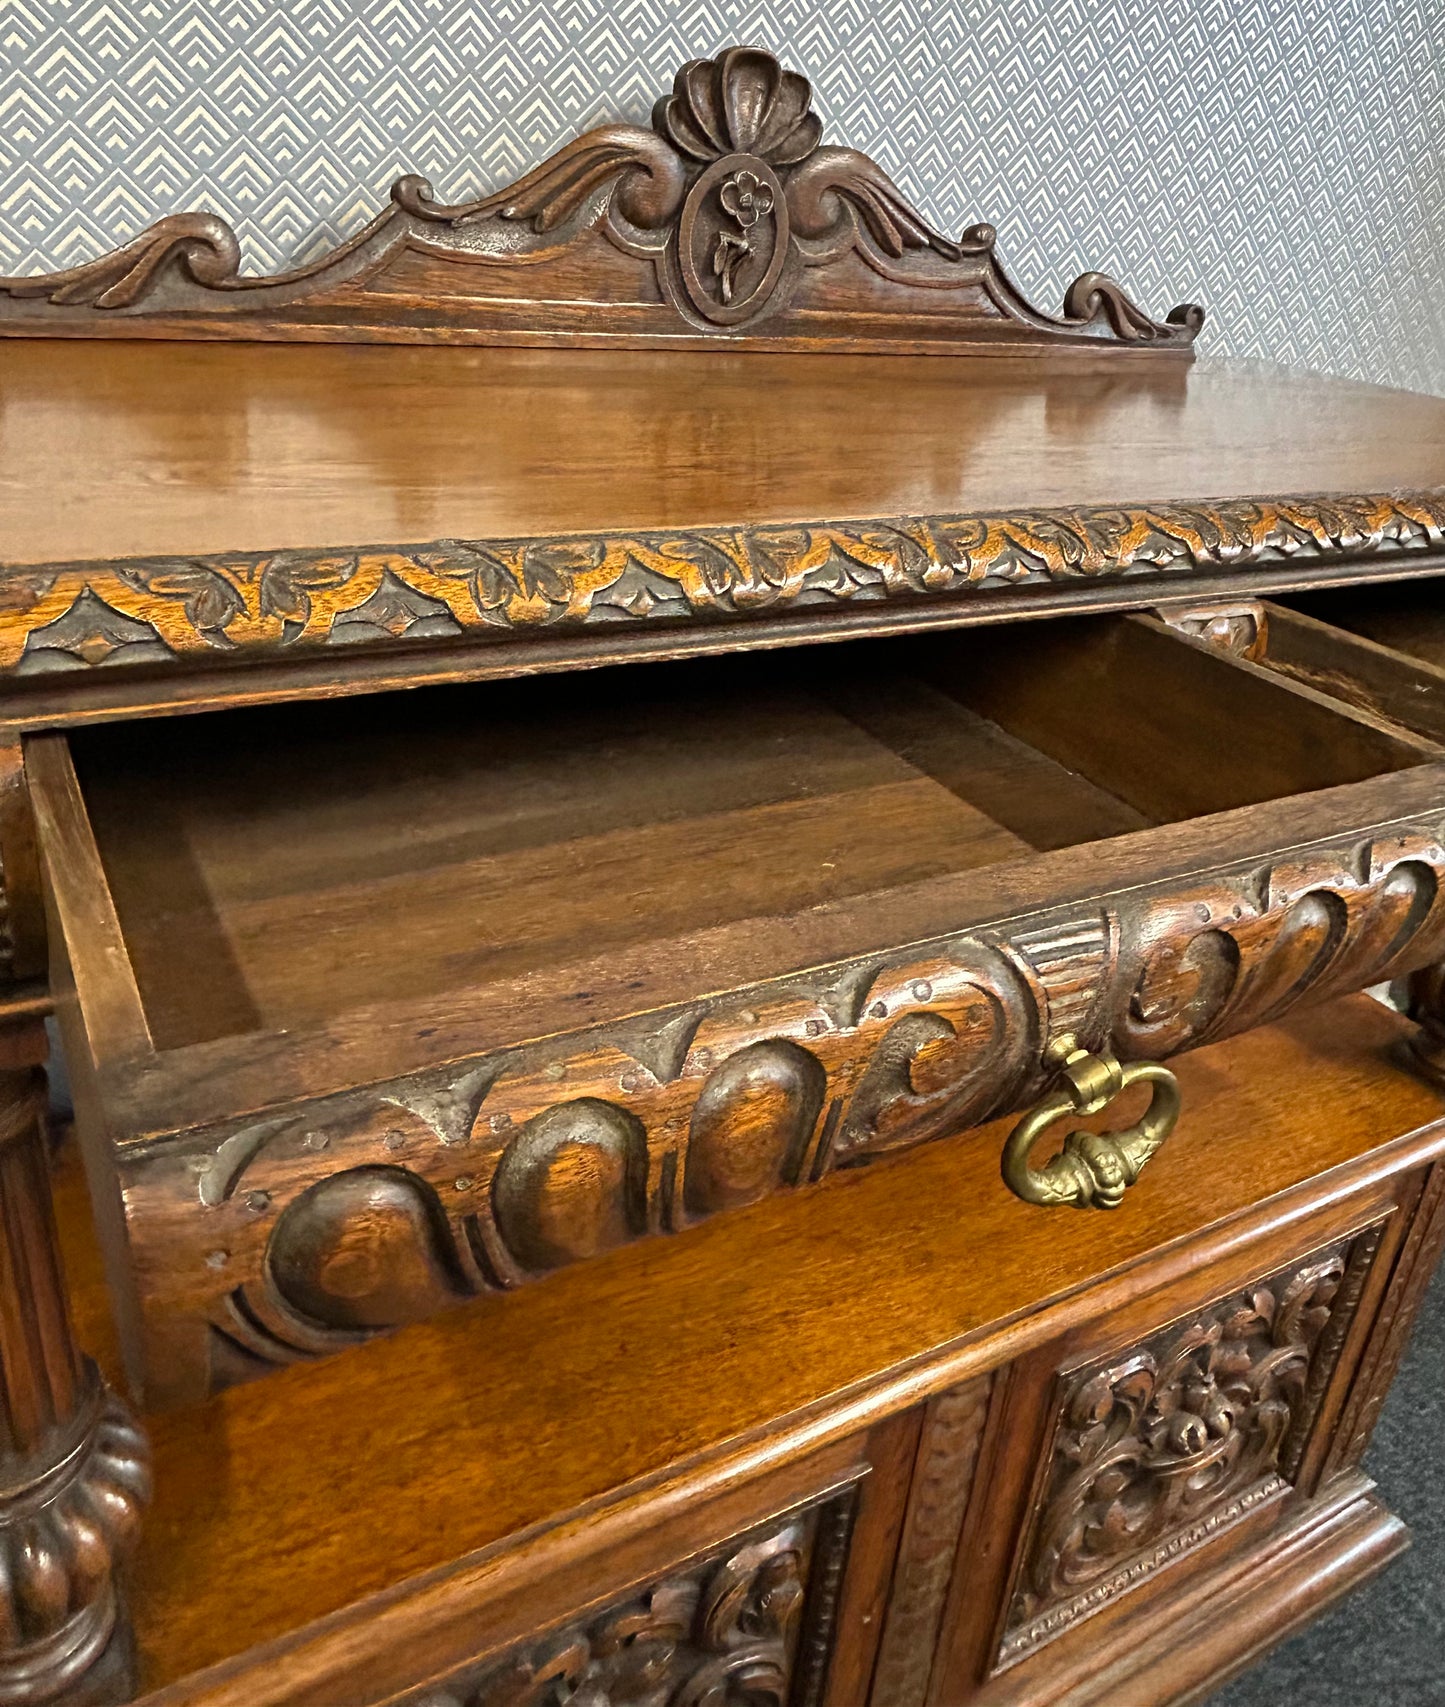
188, 610
456, 1181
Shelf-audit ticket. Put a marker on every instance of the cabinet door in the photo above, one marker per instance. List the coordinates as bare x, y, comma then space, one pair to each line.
1129, 1513
705, 1591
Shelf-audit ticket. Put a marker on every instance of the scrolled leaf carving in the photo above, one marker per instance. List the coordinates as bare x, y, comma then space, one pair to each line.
729, 199
171, 611
1161, 1447
735, 1630
966, 1034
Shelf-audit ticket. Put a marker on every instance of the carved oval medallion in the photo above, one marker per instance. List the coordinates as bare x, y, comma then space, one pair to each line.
732, 239
573, 1182
751, 1125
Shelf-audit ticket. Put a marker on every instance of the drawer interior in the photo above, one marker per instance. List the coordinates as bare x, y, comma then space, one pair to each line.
1407, 617
272, 869
1381, 649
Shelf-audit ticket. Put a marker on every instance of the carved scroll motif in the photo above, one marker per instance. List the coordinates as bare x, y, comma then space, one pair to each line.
725, 205
360, 1212
174, 611
742, 1628
1164, 1446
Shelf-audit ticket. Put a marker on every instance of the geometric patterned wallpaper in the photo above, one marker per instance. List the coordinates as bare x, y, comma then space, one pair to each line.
1280, 161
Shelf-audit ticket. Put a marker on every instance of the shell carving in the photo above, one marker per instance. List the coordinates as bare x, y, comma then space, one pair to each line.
743, 102
728, 198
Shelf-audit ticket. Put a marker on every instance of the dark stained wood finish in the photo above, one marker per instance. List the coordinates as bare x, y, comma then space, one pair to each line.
74, 1473
412, 515
1394, 683
374, 1010
328, 866
882, 1297
1401, 619
362, 448
1157, 702
944, 1481
726, 220
341, 911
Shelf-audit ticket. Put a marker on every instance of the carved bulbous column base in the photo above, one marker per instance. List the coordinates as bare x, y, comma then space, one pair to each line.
74, 1466
63, 1528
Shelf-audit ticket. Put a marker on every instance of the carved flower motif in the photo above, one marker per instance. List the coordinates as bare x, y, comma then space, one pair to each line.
746, 198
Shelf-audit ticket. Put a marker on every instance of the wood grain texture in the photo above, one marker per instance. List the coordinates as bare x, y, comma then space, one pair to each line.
1384, 680
725, 219
322, 1224
1413, 1271
943, 1482
193, 611
427, 508
74, 1468
22, 916
1400, 619
882, 1269
1179, 1650
753, 1623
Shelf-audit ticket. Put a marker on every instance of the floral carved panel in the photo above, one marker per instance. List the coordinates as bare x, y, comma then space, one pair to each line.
749, 1626
1157, 1449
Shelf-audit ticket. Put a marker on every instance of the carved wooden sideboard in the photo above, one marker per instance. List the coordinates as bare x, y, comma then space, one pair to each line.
751, 926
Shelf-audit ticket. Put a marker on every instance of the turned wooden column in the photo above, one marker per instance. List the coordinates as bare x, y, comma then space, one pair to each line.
74, 1467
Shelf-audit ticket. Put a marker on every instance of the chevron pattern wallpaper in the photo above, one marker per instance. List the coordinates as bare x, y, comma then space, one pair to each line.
1280, 161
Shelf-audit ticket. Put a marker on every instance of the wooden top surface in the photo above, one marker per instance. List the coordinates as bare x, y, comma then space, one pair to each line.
118, 449
289, 1499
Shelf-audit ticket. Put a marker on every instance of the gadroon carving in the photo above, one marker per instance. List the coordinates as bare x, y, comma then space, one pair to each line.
724, 206
360, 1212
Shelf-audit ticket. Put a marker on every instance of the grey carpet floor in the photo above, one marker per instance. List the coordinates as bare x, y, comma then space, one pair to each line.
1385, 1645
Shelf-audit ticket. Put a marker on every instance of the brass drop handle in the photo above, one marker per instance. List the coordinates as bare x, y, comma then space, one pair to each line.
1093, 1169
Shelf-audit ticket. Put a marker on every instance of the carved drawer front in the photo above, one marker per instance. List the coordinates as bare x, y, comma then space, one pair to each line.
379, 1006
752, 1620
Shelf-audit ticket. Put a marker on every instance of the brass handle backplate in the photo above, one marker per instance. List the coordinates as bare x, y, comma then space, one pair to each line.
1093, 1169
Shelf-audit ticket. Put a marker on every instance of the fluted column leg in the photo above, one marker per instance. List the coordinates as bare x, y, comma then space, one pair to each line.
74, 1467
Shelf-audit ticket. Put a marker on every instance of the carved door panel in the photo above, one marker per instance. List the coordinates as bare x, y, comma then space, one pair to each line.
751, 1621
1067, 1513
765, 1594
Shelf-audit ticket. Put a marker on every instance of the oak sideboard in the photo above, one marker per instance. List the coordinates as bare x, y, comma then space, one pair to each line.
707, 886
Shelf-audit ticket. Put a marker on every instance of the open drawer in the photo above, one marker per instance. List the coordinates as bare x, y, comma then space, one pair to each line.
1383, 650
378, 1005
